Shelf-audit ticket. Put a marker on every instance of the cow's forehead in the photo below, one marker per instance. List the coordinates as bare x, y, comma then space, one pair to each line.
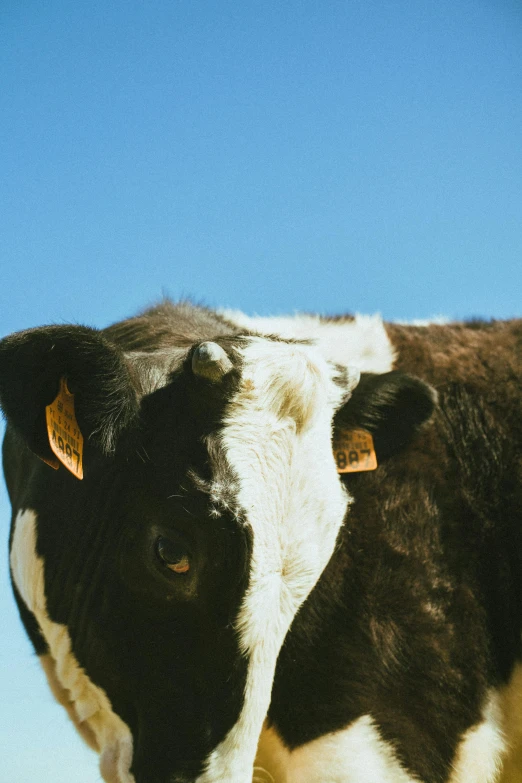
275, 384
282, 402
277, 440
286, 378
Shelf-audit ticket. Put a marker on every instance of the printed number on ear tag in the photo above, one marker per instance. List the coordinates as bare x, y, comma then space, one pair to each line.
354, 451
65, 438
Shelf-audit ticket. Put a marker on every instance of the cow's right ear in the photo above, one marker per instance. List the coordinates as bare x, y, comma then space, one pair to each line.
32, 364
391, 407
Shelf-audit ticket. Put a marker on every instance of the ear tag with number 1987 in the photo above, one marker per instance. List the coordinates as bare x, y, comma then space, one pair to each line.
65, 438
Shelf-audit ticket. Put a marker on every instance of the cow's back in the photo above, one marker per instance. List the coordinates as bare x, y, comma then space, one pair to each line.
483, 357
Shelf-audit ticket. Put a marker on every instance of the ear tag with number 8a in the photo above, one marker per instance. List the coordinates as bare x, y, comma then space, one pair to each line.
65, 438
354, 451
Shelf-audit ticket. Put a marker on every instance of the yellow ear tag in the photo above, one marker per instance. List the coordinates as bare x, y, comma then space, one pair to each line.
354, 451
65, 438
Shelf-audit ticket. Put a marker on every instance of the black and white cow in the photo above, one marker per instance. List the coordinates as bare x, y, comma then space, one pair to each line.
213, 591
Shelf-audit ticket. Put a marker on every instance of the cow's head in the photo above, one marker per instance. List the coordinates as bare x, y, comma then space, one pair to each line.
164, 582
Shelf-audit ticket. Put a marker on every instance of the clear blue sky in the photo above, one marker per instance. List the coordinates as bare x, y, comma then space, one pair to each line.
320, 156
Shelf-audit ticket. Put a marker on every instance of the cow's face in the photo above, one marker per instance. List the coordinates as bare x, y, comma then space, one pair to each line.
164, 582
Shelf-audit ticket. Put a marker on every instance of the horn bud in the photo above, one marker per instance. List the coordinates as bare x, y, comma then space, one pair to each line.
211, 362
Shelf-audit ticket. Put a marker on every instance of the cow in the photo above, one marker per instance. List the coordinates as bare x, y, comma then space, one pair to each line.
211, 599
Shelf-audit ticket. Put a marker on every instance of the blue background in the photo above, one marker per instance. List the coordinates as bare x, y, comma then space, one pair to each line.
328, 157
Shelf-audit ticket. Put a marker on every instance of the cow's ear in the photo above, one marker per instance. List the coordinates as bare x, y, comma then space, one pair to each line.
32, 364
391, 406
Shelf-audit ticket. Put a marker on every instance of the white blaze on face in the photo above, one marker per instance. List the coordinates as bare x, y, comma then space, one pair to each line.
86, 703
277, 438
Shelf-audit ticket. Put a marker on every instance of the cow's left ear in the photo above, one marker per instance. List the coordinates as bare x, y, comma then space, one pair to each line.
391, 406
32, 365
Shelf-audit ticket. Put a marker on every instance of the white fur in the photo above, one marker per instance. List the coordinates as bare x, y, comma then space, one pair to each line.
277, 438
481, 750
439, 320
361, 341
87, 704
63, 697
357, 754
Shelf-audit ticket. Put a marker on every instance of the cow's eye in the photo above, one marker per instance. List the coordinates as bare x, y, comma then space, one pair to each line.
173, 554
